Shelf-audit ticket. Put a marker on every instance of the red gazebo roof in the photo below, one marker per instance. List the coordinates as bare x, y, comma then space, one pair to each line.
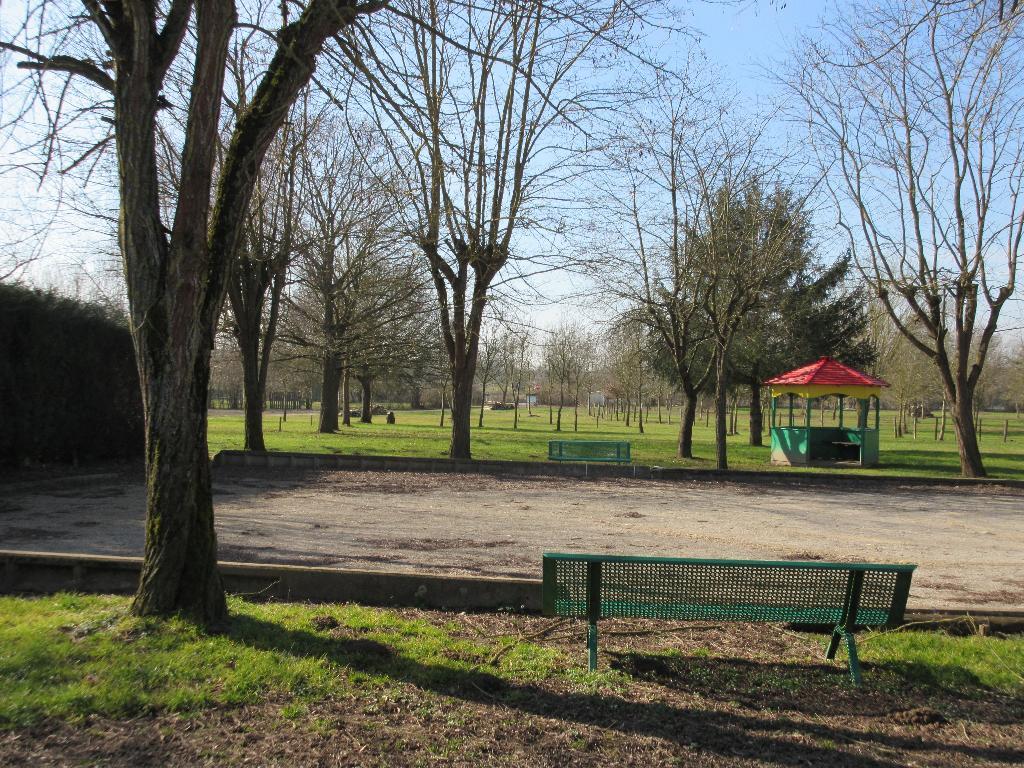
829, 372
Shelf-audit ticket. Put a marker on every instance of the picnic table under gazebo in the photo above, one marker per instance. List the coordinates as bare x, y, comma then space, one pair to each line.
803, 444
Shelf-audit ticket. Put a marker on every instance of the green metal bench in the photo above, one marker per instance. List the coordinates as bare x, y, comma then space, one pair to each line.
589, 450
846, 596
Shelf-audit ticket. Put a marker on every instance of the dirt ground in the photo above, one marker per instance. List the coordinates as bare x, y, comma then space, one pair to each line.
741, 695
968, 544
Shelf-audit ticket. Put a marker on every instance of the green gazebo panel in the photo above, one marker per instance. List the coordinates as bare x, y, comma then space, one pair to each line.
808, 445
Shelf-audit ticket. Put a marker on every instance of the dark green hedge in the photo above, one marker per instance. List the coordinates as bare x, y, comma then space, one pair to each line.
69, 390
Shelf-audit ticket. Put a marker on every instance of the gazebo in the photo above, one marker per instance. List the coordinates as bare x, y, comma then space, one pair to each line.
806, 445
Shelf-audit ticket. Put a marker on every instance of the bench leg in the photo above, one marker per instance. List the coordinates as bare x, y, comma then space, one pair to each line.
838, 635
851, 652
592, 644
833, 644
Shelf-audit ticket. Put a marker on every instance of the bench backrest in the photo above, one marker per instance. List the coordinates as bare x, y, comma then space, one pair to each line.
596, 450
607, 586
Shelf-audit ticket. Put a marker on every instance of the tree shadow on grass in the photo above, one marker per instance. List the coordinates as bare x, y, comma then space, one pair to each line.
729, 734
811, 688
940, 463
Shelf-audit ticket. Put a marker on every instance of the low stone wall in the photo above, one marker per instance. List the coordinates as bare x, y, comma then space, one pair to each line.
46, 573
330, 461
287, 460
33, 573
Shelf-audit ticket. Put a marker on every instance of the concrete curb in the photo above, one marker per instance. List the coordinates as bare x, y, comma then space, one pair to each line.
329, 461
35, 573
47, 572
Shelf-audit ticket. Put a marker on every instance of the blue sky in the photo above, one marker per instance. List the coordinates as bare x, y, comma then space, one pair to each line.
741, 38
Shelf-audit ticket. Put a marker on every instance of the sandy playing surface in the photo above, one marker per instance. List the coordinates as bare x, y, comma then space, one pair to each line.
969, 545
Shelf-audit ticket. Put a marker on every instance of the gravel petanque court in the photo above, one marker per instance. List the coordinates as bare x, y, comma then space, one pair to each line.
968, 544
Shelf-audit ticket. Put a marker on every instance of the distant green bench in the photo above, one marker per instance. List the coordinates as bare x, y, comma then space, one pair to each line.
846, 596
589, 450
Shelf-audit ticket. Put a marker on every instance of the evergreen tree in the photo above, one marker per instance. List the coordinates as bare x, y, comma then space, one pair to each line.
812, 314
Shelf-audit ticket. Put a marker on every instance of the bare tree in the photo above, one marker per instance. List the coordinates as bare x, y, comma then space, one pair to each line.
482, 109
581, 368
628, 366
353, 286
916, 113
562, 360
177, 257
516, 365
650, 198
397, 344
266, 248
487, 364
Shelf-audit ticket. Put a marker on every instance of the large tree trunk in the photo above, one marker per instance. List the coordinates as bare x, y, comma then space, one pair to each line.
561, 404
687, 417
483, 398
176, 276
176, 284
942, 424
346, 395
247, 293
721, 412
462, 407
330, 382
179, 571
461, 335
962, 412
252, 392
756, 414
365, 416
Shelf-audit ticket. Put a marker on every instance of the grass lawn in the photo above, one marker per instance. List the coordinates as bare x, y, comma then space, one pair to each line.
82, 682
417, 433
